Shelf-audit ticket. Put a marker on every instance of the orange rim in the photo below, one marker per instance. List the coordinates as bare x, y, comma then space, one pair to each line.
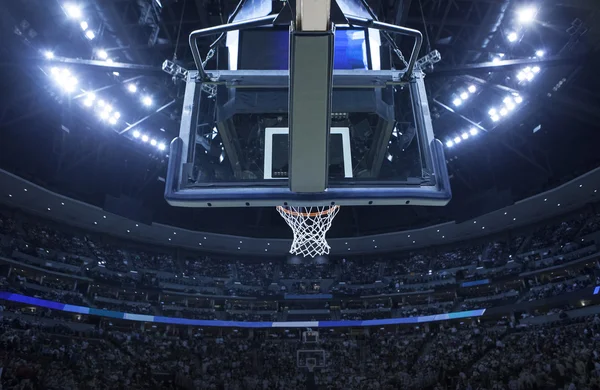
310, 215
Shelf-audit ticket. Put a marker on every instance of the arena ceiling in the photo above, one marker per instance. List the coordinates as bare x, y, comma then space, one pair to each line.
48, 137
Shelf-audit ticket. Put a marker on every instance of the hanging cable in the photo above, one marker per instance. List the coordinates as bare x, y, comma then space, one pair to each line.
425, 27
179, 31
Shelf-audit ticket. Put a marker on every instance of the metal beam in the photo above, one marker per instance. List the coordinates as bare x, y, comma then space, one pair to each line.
464, 118
107, 87
506, 65
490, 84
144, 119
81, 63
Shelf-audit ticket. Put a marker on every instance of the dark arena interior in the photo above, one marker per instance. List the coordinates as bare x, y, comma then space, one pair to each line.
299, 194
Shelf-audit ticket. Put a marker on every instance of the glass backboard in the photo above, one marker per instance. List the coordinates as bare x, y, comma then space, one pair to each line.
236, 149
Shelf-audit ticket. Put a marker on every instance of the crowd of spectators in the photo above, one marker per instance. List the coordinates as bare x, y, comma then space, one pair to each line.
558, 355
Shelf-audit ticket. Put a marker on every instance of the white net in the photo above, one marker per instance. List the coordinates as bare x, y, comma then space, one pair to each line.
309, 225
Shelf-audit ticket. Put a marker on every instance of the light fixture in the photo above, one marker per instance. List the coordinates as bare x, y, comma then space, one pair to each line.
536, 69
153, 142
450, 144
521, 76
136, 134
465, 135
512, 36
526, 15
503, 111
472, 88
73, 11
102, 54
495, 118
492, 112
457, 102
89, 34
132, 88
161, 146
518, 99
48, 208
62, 203
144, 138
473, 131
48, 54
147, 101
464, 96
117, 115
88, 102
540, 53
84, 25
104, 115
112, 121
101, 103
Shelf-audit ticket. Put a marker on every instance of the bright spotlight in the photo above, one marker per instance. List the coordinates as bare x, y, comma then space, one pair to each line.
102, 54
132, 88
113, 121
84, 25
108, 108
88, 102
117, 115
162, 146
457, 102
518, 99
48, 54
153, 142
510, 105
492, 111
540, 53
495, 118
503, 112
465, 135
73, 11
526, 15
449, 144
536, 69
512, 37
104, 115
101, 103
521, 76
472, 89
89, 34
54, 71
136, 134
69, 84
147, 101
464, 96
474, 131
145, 138
529, 76
457, 140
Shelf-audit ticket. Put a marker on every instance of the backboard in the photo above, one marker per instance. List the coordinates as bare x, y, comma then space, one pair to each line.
301, 117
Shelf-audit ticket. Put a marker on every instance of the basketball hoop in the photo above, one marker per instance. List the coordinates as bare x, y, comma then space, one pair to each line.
309, 225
